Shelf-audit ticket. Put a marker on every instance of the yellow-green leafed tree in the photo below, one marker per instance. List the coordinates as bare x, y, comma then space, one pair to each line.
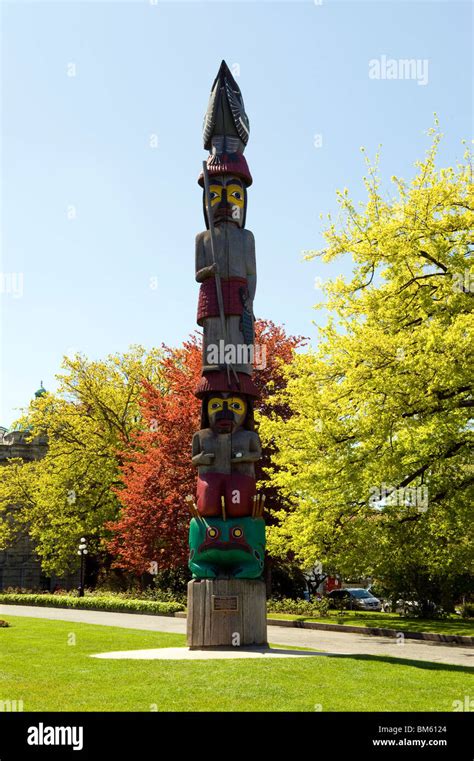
86, 422
375, 458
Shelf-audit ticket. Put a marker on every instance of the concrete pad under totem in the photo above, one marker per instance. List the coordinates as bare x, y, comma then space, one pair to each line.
188, 654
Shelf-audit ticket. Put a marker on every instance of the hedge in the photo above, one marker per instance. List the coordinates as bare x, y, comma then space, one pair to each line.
112, 604
315, 608
467, 610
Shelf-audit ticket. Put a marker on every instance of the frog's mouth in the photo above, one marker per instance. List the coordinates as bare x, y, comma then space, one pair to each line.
213, 545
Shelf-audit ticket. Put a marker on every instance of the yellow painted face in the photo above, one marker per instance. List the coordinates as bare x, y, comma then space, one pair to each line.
234, 403
226, 413
234, 192
228, 199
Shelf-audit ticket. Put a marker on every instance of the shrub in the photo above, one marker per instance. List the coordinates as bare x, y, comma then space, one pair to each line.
165, 595
150, 593
110, 603
467, 610
323, 606
171, 583
287, 579
295, 607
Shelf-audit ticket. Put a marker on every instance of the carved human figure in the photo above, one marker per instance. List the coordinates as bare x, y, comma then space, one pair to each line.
224, 451
235, 263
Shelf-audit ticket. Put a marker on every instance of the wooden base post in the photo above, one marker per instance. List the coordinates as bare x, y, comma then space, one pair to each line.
226, 612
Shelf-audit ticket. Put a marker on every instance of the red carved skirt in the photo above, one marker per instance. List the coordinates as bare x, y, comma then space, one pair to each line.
237, 489
208, 305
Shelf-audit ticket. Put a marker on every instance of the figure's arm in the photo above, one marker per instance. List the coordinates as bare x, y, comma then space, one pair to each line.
199, 457
203, 271
253, 453
196, 447
251, 264
255, 446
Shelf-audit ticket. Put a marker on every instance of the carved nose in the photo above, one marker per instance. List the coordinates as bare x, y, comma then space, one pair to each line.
226, 413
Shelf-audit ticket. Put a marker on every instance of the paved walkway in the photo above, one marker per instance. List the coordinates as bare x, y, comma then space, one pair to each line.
340, 643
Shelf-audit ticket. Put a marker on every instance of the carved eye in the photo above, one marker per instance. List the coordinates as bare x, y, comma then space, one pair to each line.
215, 193
236, 194
214, 404
212, 532
237, 532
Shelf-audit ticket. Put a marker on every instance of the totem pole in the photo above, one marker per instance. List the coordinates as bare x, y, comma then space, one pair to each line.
227, 531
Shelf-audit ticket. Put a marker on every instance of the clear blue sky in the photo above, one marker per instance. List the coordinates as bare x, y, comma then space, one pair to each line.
143, 69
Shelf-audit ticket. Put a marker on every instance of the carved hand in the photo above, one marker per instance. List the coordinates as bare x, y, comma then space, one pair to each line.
206, 272
203, 458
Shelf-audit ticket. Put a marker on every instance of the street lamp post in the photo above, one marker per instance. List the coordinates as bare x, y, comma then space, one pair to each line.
82, 551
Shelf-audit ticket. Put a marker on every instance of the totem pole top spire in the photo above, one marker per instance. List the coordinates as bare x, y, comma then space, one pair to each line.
226, 126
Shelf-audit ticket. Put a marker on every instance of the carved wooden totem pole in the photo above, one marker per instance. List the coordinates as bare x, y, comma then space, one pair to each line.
226, 598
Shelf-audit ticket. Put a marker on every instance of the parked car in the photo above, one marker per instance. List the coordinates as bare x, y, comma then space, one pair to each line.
405, 607
354, 599
410, 607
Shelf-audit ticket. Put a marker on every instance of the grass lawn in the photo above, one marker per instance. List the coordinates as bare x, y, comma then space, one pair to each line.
451, 625
38, 666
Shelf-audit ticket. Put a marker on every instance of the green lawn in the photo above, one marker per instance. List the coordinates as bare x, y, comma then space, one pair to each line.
38, 666
451, 625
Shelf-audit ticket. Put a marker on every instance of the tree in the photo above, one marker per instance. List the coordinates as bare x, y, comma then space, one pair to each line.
375, 457
69, 493
157, 472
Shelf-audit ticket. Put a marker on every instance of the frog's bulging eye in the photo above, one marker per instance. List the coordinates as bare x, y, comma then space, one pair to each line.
237, 532
212, 532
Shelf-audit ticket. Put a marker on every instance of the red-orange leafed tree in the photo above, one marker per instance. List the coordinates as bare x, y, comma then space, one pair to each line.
157, 472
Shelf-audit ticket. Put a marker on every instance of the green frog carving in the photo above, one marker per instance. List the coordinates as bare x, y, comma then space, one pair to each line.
234, 547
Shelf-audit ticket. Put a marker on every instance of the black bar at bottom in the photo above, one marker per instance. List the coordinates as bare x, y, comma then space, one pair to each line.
234, 735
